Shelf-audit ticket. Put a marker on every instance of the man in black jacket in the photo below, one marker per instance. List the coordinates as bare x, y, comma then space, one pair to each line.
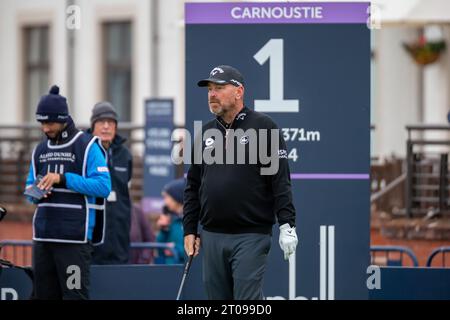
237, 202
115, 249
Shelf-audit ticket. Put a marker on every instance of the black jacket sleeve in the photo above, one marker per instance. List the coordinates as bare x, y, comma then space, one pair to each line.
191, 207
281, 186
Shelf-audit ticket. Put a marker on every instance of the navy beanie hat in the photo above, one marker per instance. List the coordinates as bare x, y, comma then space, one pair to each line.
175, 189
52, 107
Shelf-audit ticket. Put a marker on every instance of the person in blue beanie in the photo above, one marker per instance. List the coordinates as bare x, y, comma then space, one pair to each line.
70, 166
170, 223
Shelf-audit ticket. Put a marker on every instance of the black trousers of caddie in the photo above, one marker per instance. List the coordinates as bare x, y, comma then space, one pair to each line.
61, 270
234, 265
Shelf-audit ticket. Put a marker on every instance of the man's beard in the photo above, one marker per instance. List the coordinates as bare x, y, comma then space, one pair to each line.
219, 112
52, 138
56, 137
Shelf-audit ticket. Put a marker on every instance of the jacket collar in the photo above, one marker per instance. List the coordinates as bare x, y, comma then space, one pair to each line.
118, 140
69, 131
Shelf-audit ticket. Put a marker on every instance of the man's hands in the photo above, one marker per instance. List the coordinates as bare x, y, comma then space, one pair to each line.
191, 244
288, 240
48, 181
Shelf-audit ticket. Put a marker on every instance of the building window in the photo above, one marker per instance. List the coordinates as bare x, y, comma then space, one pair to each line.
36, 55
117, 58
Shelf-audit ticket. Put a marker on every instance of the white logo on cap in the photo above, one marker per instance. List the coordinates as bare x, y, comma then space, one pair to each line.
236, 82
216, 70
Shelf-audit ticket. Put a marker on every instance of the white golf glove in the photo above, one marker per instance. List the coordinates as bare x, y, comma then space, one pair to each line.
288, 240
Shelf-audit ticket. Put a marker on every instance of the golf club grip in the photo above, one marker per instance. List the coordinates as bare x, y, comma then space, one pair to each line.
188, 264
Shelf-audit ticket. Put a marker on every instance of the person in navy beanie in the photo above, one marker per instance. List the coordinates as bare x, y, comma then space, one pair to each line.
175, 189
53, 107
170, 223
71, 166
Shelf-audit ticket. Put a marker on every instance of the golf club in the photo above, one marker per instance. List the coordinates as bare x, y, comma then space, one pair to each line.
185, 273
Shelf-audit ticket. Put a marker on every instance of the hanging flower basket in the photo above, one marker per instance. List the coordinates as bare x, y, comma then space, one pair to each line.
424, 52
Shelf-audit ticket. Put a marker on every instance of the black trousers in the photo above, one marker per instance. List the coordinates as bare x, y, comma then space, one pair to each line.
61, 270
234, 265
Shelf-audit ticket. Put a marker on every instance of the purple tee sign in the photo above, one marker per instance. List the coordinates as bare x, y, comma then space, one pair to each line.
307, 66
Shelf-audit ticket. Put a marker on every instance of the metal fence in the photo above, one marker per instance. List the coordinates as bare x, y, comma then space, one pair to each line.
392, 256
442, 252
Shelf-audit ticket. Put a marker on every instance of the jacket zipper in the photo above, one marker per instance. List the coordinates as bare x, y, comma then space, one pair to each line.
226, 130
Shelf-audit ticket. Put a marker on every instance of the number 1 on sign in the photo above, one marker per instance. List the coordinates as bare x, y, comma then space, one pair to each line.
273, 49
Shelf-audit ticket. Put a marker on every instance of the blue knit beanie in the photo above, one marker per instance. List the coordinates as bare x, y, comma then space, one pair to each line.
52, 107
175, 189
